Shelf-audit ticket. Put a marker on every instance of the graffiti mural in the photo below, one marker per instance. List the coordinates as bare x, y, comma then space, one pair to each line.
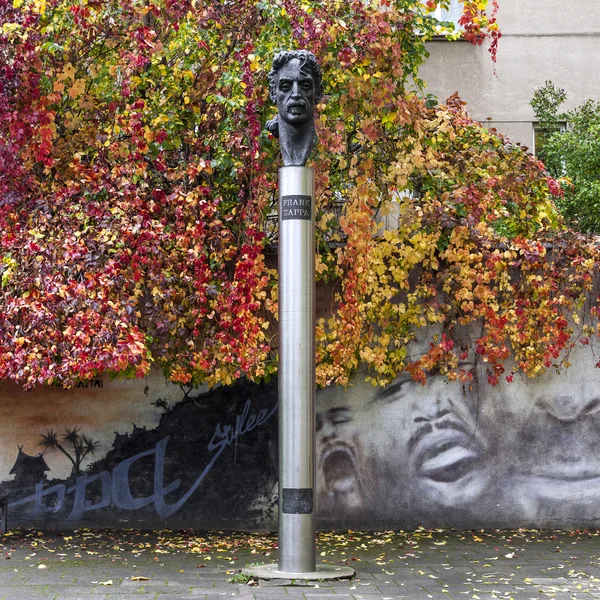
447, 454
403, 455
148, 454
210, 461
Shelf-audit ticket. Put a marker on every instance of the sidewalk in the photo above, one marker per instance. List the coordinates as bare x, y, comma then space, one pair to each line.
439, 565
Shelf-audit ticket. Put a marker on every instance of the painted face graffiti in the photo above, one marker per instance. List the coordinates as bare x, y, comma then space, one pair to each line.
407, 445
338, 461
345, 475
446, 452
431, 435
552, 465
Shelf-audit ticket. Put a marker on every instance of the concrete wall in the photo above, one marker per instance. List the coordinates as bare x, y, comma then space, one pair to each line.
542, 40
520, 454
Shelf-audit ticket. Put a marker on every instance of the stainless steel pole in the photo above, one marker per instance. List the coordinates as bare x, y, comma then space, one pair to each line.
297, 542
297, 534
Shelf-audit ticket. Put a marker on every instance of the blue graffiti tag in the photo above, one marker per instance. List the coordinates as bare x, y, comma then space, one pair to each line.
115, 486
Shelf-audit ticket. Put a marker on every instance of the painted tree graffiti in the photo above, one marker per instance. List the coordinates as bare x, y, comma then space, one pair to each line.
74, 445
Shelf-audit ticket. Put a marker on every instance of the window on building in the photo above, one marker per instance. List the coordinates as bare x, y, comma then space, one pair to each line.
451, 14
446, 17
541, 134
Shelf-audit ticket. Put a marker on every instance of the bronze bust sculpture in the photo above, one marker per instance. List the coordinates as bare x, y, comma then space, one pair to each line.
295, 85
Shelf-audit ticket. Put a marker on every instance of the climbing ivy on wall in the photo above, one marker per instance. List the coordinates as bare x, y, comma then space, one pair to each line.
137, 185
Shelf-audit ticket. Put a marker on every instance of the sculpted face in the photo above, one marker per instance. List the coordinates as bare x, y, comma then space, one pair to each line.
295, 92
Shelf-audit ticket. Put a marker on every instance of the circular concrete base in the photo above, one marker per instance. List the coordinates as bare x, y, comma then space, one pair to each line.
323, 572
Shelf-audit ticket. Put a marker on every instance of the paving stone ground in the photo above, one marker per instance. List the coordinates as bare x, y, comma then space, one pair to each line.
419, 565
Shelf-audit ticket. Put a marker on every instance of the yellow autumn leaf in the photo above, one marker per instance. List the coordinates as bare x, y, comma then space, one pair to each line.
77, 88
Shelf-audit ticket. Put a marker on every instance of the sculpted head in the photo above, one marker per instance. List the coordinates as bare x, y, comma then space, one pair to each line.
295, 85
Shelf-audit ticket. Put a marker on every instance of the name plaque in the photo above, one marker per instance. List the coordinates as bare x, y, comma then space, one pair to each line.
296, 207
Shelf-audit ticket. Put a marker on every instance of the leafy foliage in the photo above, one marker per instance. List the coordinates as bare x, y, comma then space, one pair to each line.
138, 183
137, 179
479, 251
573, 154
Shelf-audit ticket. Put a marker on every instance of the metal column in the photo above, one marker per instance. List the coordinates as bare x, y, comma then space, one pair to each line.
296, 370
297, 535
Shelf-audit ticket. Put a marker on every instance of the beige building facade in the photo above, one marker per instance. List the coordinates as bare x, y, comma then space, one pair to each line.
542, 40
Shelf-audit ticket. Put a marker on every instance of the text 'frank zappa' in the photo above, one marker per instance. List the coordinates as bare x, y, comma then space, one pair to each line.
296, 207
